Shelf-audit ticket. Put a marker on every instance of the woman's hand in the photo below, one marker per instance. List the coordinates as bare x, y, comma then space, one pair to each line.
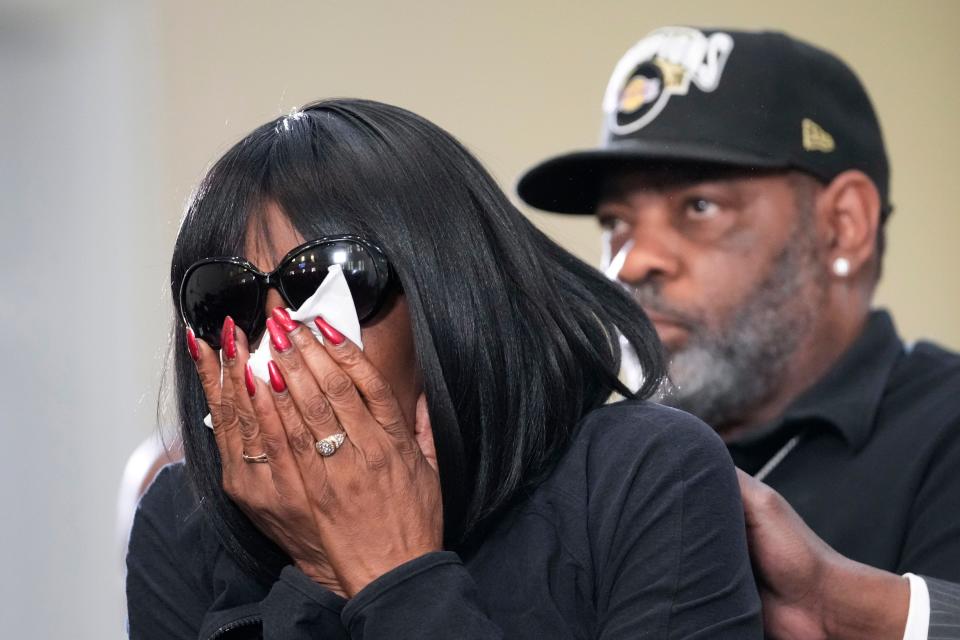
345, 519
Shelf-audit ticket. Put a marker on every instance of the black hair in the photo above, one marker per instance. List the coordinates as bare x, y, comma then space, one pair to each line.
516, 339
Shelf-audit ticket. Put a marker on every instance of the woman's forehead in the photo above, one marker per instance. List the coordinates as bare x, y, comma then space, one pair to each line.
269, 237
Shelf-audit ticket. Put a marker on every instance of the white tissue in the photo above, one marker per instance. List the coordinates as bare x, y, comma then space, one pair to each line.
615, 265
333, 301
631, 373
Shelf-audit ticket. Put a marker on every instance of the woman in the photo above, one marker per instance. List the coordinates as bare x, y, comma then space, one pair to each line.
460, 477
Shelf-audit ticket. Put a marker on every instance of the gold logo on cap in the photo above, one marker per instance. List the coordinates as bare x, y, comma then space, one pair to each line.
674, 75
638, 92
667, 62
815, 137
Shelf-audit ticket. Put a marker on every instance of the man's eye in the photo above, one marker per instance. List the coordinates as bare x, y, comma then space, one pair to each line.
702, 208
610, 223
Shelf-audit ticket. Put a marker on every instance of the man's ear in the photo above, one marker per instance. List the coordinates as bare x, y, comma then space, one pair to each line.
850, 208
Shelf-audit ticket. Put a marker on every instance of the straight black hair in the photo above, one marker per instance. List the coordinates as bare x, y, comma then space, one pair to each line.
516, 339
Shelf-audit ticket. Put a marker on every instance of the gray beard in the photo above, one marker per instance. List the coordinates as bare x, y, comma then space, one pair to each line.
725, 372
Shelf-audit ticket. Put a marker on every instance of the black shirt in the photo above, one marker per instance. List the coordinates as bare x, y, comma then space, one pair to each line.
637, 533
876, 471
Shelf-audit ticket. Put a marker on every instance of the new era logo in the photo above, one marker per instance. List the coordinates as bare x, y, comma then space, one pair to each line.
815, 138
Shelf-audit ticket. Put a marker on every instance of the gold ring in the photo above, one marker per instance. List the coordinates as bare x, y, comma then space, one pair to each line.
260, 458
329, 445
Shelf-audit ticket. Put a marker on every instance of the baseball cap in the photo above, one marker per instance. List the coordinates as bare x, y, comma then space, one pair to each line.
757, 100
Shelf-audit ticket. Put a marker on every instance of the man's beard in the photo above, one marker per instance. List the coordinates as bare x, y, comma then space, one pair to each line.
724, 372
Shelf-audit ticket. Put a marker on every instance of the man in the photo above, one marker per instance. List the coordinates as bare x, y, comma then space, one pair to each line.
742, 185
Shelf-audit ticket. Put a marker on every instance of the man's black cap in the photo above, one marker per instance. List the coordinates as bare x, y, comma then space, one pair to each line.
743, 99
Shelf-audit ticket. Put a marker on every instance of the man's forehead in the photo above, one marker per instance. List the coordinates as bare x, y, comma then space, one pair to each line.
660, 177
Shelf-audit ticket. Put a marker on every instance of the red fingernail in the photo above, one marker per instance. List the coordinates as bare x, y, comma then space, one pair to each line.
329, 333
282, 318
228, 338
279, 339
251, 383
192, 345
276, 378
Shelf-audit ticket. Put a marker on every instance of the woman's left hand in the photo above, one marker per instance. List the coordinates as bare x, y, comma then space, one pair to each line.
376, 502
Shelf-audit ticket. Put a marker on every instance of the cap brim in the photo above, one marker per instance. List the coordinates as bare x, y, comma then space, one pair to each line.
571, 183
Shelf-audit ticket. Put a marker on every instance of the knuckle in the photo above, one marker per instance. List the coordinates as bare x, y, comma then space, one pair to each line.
301, 440
273, 446
376, 458
317, 410
284, 404
327, 502
337, 384
407, 448
228, 413
292, 362
302, 338
398, 429
248, 424
245, 415
350, 357
767, 500
323, 498
207, 379
355, 485
236, 371
377, 390
249, 433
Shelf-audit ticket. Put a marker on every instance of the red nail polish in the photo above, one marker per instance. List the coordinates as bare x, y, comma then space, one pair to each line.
228, 338
279, 339
329, 333
192, 345
282, 318
276, 378
251, 383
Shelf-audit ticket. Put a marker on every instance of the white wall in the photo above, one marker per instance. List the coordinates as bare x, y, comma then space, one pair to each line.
80, 306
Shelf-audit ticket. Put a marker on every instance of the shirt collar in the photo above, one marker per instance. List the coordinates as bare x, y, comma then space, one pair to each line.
848, 396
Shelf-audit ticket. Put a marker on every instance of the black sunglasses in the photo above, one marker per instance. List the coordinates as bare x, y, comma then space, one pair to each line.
214, 288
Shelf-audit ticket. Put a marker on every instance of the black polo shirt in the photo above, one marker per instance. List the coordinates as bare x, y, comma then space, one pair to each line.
876, 469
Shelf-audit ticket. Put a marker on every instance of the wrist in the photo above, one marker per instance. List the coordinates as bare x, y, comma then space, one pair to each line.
362, 574
323, 575
863, 602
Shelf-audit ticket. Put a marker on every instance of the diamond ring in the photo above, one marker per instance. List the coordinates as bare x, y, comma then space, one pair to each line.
329, 445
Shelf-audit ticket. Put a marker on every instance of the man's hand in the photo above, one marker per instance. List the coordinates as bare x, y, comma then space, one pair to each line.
808, 590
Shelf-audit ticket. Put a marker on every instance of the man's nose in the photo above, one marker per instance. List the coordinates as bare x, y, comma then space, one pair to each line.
650, 255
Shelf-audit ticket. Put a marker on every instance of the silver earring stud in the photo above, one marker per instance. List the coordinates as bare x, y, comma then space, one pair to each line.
841, 267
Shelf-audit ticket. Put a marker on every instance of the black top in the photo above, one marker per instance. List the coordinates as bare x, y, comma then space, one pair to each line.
876, 472
638, 533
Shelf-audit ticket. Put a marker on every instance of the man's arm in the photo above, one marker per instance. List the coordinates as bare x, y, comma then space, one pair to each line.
809, 590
